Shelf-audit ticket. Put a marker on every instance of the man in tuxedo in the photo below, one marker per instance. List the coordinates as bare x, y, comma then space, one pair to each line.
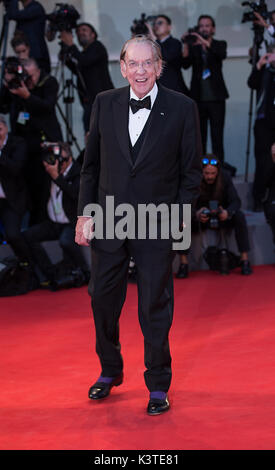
208, 89
143, 147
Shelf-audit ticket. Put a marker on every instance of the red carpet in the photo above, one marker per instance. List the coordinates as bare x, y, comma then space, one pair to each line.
223, 388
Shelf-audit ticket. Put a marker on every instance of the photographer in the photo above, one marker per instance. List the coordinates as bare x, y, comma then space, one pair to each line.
31, 103
31, 21
208, 89
90, 65
21, 46
269, 202
262, 79
218, 207
171, 49
269, 27
63, 176
13, 193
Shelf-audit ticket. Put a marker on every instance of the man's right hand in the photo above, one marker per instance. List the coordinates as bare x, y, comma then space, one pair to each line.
263, 60
202, 217
84, 231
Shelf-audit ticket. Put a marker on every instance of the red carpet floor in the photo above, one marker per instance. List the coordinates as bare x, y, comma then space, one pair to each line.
223, 388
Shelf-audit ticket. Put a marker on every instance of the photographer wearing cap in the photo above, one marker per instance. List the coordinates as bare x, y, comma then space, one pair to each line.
218, 207
171, 49
63, 176
31, 21
90, 65
262, 79
30, 96
208, 89
13, 193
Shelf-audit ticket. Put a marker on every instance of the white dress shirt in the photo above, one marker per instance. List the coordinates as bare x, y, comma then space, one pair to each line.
55, 209
138, 120
2, 192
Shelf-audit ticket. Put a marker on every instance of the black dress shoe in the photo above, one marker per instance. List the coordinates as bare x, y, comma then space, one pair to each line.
246, 268
182, 271
157, 407
102, 389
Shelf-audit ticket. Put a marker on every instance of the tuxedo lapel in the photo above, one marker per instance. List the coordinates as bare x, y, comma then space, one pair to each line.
121, 122
157, 121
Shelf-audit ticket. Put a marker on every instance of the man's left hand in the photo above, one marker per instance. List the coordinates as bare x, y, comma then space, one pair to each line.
52, 169
21, 91
223, 215
206, 43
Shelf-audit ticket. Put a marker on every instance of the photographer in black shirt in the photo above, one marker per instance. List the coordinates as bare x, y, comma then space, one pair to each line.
217, 189
90, 65
31, 21
31, 104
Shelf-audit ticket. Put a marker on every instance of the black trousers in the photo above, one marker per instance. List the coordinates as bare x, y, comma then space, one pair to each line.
107, 287
264, 138
214, 113
49, 230
269, 210
12, 227
237, 222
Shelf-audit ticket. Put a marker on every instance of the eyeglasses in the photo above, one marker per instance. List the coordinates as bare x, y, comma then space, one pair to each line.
207, 161
146, 64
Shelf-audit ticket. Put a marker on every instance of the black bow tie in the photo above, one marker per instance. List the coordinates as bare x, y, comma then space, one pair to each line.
139, 104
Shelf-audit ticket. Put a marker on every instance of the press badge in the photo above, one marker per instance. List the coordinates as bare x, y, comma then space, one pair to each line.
206, 74
23, 117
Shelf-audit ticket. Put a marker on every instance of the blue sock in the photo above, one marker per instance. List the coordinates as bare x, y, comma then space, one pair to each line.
158, 395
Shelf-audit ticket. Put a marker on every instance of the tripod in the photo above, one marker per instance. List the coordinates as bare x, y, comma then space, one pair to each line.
3, 44
67, 92
257, 41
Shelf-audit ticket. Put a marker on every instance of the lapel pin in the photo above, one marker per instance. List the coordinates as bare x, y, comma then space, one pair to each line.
162, 114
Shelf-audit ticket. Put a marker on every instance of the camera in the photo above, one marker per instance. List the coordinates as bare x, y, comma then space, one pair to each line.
52, 152
190, 39
260, 8
63, 18
213, 213
15, 68
139, 25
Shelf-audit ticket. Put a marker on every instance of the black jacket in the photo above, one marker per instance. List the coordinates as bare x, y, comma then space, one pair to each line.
216, 55
31, 21
92, 63
41, 107
12, 162
70, 189
264, 82
229, 199
171, 76
167, 169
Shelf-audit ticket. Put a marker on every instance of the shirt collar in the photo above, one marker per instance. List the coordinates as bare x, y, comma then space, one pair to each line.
67, 169
4, 143
153, 94
165, 38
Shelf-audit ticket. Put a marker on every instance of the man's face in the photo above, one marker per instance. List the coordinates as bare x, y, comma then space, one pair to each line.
161, 27
22, 51
210, 174
34, 74
206, 27
85, 35
3, 131
140, 68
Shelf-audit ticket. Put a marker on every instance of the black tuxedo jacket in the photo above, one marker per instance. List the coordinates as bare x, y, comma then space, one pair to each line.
216, 54
12, 161
167, 168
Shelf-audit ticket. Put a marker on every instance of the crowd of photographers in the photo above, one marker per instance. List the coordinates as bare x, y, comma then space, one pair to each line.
40, 177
